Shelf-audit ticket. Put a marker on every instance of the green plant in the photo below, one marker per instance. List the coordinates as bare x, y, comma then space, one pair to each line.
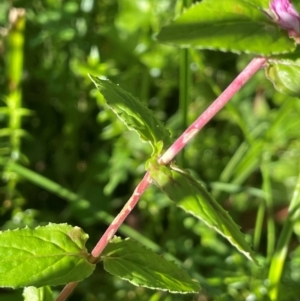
240, 26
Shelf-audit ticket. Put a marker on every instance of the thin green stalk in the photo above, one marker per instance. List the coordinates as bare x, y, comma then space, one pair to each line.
269, 206
259, 225
235, 159
14, 69
184, 85
265, 206
278, 259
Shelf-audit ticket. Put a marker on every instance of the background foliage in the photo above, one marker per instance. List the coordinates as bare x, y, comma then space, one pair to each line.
248, 156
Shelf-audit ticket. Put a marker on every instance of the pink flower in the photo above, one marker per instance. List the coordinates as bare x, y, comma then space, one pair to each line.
287, 17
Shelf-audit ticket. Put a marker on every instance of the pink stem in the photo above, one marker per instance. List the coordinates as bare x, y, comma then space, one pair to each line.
175, 148
118, 221
212, 110
67, 290
111, 230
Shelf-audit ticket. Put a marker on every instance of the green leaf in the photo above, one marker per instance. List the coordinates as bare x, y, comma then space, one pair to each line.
50, 255
191, 196
132, 262
284, 73
134, 114
9, 131
32, 293
15, 111
231, 25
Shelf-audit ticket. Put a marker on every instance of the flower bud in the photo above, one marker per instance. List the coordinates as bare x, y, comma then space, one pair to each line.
286, 16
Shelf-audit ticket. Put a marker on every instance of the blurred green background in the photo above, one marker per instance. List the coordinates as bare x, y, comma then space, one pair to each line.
55, 125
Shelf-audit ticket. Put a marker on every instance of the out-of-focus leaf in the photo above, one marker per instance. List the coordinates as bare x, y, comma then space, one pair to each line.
191, 196
236, 26
50, 255
132, 262
9, 131
134, 114
284, 73
32, 293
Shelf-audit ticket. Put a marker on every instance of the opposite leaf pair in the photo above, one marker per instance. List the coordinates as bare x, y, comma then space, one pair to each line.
56, 254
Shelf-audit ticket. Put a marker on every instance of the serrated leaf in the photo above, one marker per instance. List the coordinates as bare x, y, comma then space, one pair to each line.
134, 114
284, 73
32, 293
231, 25
142, 267
192, 197
50, 255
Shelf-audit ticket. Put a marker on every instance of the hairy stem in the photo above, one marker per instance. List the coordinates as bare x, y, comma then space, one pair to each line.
208, 114
110, 231
118, 221
212, 110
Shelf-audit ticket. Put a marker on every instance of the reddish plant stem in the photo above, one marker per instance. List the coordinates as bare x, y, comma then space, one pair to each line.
110, 231
174, 149
118, 221
212, 110
67, 290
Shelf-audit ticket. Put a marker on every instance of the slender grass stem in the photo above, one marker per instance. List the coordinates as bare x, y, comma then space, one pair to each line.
259, 225
278, 259
14, 69
184, 85
265, 206
269, 206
